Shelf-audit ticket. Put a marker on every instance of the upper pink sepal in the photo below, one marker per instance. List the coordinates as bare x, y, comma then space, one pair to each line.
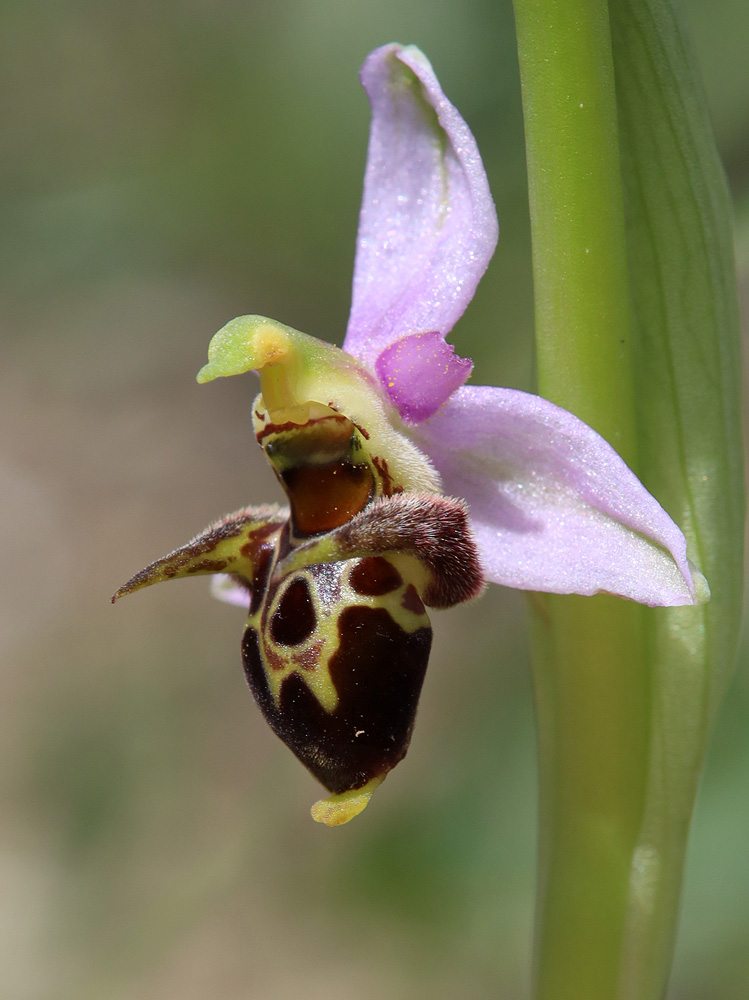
428, 226
553, 506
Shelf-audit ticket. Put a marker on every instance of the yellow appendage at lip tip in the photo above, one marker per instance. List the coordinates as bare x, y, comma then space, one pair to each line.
342, 807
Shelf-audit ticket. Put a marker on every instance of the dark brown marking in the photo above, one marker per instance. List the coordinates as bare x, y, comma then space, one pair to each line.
256, 536
209, 566
411, 601
378, 672
374, 577
255, 670
259, 583
324, 497
387, 480
294, 620
274, 660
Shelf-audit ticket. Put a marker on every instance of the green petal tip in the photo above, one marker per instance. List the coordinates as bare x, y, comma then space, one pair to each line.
245, 344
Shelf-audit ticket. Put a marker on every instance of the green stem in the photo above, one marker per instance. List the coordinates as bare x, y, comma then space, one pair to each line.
577, 217
590, 674
592, 718
626, 696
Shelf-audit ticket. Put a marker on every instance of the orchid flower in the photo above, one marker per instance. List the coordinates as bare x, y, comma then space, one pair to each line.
406, 487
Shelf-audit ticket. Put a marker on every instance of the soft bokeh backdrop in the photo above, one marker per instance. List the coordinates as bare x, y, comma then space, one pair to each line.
164, 168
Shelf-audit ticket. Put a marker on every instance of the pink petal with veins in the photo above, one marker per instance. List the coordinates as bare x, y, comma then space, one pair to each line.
553, 506
428, 226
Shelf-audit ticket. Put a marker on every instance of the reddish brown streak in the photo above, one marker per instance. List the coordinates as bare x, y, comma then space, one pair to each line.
291, 426
388, 490
209, 566
309, 658
411, 600
374, 577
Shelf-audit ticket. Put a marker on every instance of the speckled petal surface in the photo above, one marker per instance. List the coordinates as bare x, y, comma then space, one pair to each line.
553, 506
419, 372
428, 226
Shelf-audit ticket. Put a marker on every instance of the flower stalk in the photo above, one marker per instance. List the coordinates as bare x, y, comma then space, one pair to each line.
625, 695
581, 287
589, 677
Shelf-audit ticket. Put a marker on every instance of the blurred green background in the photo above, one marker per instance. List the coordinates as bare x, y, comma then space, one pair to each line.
163, 168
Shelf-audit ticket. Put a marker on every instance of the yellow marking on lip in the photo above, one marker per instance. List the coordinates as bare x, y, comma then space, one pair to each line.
325, 637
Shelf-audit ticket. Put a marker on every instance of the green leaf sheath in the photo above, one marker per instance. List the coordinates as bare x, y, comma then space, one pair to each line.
688, 403
637, 334
686, 325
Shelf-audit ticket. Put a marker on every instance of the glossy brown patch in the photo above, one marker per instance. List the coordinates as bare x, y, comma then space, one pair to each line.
378, 672
324, 497
411, 600
374, 577
294, 620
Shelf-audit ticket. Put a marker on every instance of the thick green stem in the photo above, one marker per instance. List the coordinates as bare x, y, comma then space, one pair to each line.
592, 717
579, 253
591, 682
625, 695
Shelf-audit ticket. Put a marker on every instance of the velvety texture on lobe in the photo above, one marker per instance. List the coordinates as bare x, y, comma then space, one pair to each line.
553, 506
428, 227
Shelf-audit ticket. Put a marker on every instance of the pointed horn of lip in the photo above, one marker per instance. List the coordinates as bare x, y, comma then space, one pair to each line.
185, 561
228, 546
